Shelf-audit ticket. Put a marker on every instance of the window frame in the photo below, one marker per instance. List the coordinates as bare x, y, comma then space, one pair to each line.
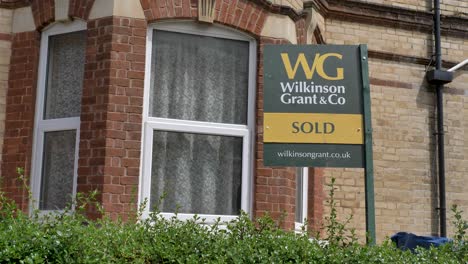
199, 127
41, 125
305, 195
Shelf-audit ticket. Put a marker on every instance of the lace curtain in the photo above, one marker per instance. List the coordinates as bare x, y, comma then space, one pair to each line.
65, 73
57, 168
198, 78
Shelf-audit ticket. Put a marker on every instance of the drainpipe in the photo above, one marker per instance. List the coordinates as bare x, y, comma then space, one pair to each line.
440, 122
439, 77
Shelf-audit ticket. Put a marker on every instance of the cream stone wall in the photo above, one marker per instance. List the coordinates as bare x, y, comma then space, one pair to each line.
22, 20
5, 53
280, 26
447, 7
404, 120
403, 42
124, 8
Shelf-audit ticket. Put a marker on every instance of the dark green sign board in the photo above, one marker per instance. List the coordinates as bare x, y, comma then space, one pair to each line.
305, 63
317, 110
313, 106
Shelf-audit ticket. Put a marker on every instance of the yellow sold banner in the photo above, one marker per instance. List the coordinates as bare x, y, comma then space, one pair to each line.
313, 128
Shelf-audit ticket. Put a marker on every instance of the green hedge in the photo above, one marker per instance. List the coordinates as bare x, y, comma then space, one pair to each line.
71, 238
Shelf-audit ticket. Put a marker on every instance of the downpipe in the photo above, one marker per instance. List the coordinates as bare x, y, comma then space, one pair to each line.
440, 124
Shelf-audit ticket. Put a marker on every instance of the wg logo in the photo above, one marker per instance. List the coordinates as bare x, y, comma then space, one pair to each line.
317, 66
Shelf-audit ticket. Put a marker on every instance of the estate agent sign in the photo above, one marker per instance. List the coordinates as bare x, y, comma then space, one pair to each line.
314, 106
317, 111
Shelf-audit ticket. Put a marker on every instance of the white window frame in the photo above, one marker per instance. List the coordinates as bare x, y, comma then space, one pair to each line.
42, 126
305, 195
246, 132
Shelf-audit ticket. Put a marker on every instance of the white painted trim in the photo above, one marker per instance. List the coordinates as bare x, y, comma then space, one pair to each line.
204, 218
62, 28
247, 132
42, 126
251, 121
197, 127
305, 196
211, 30
146, 149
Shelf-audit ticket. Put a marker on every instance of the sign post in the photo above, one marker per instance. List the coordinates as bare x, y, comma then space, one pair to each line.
317, 111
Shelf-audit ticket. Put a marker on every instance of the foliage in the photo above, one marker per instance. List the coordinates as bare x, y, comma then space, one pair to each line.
69, 237
337, 233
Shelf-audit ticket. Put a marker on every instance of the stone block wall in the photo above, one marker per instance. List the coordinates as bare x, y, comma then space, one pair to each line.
404, 123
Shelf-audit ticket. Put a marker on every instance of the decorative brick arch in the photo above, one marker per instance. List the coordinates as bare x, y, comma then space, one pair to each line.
80, 8
244, 15
43, 12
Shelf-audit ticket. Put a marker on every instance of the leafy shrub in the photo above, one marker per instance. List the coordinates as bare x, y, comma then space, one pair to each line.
70, 237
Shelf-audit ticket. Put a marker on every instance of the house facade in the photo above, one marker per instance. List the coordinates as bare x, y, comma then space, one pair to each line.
160, 103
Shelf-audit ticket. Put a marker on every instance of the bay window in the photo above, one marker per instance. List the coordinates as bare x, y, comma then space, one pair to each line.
198, 120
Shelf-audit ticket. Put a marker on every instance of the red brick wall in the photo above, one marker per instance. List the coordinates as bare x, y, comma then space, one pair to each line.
110, 136
301, 32
315, 199
20, 108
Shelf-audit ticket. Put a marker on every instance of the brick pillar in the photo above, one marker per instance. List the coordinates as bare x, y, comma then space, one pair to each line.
315, 199
20, 108
111, 116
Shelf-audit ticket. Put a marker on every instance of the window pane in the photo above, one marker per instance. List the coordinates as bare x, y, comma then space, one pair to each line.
199, 78
65, 75
57, 170
195, 173
299, 195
